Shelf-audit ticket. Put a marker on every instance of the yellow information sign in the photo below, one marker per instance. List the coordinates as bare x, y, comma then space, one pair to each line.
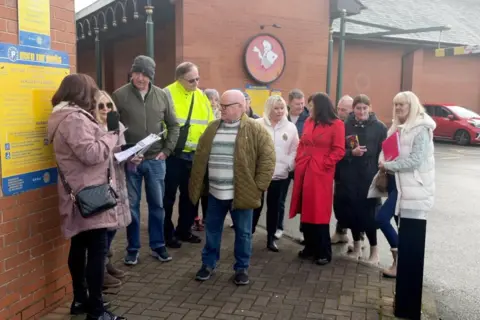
29, 77
34, 23
276, 93
258, 96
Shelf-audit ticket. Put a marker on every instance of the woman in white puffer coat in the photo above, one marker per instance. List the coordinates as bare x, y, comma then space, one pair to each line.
285, 137
411, 186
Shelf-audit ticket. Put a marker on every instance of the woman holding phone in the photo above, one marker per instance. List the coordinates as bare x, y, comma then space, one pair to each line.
364, 135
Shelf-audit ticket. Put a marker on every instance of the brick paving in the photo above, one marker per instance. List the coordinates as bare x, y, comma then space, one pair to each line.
281, 287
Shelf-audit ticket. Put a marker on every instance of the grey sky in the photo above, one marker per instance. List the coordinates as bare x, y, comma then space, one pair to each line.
80, 4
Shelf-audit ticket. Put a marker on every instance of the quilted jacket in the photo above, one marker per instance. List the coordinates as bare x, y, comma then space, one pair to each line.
254, 163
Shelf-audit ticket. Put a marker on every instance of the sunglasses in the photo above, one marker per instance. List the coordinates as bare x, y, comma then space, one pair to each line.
102, 105
192, 81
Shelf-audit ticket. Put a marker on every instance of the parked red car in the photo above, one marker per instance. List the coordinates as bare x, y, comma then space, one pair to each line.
455, 123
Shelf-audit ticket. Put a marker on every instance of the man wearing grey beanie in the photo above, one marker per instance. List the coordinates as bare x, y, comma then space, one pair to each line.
143, 109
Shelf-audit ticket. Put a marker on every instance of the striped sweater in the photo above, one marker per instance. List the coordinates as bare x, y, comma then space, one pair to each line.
220, 162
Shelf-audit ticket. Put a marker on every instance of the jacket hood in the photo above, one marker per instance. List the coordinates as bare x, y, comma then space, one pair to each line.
59, 113
371, 118
422, 120
280, 124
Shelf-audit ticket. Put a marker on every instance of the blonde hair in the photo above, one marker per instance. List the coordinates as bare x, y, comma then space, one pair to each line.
270, 104
416, 110
102, 94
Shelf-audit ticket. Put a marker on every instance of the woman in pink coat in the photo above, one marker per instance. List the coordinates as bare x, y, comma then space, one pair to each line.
321, 146
83, 151
104, 105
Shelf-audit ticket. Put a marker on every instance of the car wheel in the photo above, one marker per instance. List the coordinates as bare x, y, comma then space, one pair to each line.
462, 137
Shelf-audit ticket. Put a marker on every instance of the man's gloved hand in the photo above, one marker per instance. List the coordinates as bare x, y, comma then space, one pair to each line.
113, 121
126, 146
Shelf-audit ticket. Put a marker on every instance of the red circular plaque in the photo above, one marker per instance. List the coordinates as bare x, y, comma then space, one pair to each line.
264, 58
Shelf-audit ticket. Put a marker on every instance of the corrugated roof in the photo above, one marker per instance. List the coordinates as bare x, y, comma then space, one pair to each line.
461, 15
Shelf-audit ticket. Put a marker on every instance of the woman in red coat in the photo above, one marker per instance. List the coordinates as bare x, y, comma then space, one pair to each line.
322, 145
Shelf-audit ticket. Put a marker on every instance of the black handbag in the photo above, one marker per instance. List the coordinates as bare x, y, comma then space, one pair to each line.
183, 135
92, 200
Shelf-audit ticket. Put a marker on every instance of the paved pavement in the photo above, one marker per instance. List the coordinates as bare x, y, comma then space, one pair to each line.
282, 287
453, 234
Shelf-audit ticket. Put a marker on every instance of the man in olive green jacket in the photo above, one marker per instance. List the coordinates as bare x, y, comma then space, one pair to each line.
144, 108
234, 163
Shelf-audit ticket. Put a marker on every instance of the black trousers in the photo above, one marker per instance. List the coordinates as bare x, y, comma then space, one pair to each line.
274, 198
411, 255
177, 177
317, 240
281, 206
86, 262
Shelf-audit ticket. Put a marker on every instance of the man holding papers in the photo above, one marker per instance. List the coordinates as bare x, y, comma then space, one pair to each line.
143, 109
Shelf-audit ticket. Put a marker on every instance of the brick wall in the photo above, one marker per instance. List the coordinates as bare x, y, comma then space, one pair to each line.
376, 70
33, 255
371, 69
451, 80
214, 37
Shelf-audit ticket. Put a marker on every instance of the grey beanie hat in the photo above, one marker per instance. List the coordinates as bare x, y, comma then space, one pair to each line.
145, 65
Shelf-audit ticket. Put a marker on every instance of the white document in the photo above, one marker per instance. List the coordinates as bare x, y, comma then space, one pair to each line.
139, 149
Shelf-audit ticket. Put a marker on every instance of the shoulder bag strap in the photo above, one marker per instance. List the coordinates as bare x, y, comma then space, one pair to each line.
67, 187
191, 109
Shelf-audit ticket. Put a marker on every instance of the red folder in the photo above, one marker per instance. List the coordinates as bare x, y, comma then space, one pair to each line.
391, 147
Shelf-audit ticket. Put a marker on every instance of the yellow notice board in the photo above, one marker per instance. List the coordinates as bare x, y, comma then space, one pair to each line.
34, 23
276, 93
29, 77
258, 96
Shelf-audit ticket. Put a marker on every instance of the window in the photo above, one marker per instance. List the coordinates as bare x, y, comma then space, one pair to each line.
430, 110
442, 112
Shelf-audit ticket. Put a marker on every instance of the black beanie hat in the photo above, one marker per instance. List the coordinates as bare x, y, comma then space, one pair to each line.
145, 65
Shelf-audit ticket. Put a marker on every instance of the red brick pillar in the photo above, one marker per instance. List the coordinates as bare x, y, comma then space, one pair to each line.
34, 275
412, 71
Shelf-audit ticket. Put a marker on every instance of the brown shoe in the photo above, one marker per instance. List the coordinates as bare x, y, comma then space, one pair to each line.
113, 271
110, 281
392, 271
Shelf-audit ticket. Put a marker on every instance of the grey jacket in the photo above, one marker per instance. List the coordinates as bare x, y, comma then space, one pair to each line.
143, 117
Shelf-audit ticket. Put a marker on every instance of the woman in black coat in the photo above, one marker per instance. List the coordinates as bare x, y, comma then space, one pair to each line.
364, 136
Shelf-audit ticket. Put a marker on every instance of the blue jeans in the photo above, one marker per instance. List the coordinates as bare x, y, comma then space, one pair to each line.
387, 211
154, 173
242, 221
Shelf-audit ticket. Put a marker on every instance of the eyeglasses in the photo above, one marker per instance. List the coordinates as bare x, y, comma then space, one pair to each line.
192, 81
225, 106
102, 105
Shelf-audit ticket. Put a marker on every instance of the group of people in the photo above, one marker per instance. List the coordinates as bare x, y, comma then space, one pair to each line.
215, 151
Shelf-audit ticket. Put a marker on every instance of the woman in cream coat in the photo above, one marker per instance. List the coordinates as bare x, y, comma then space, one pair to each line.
285, 138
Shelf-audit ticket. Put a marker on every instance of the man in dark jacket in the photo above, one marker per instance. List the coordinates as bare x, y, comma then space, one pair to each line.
143, 107
248, 107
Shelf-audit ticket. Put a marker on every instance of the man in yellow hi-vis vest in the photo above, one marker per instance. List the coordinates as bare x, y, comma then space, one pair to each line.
194, 113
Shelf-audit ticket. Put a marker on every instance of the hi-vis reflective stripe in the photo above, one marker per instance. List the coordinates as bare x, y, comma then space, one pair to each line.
191, 145
457, 51
192, 121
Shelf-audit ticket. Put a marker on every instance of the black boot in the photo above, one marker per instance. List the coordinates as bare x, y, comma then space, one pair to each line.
105, 316
78, 308
271, 244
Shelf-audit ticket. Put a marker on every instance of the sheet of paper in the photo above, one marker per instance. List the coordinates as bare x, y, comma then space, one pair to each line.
141, 147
